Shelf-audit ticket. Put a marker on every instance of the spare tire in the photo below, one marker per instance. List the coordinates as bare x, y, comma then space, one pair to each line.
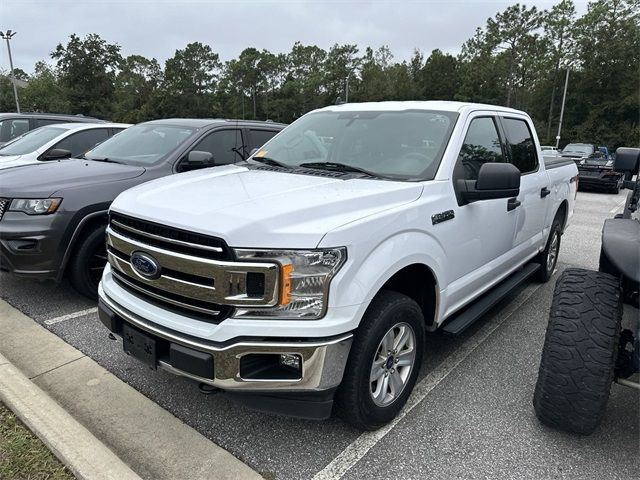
580, 350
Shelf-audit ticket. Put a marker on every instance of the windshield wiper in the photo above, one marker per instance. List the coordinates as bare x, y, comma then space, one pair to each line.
105, 159
272, 162
340, 167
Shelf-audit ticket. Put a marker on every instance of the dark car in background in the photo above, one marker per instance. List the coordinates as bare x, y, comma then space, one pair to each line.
53, 214
12, 125
578, 151
597, 172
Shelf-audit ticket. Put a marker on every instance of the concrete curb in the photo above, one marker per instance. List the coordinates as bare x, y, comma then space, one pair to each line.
74, 445
139, 434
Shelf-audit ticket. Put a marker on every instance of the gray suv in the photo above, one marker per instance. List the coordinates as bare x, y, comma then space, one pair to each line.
53, 215
12, 125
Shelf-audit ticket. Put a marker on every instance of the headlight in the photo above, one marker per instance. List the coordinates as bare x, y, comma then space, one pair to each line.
304, 281
35, 206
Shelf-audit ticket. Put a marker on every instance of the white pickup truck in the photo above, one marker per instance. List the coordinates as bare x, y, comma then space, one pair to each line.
312, 272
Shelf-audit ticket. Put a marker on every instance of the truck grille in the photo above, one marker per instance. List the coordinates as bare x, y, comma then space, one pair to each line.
186, 272
4, 205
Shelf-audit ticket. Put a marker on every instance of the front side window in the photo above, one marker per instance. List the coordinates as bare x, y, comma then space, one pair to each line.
260, 137
143, 144
399, 145
31, 141
226, 146
481, 145
521, 144
42, 122
12, 128
80, 142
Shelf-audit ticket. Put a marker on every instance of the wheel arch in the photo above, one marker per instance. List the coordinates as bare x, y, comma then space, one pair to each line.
562, 212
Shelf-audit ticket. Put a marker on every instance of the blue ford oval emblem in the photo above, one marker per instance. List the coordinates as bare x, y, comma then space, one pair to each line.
145, 265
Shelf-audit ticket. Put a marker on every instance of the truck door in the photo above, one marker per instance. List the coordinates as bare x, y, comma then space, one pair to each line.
534, 186
480, 247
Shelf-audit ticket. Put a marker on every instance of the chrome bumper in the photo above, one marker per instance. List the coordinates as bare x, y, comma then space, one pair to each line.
323, 360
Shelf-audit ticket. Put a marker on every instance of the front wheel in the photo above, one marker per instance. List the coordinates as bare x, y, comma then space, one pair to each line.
90, 258
383, 363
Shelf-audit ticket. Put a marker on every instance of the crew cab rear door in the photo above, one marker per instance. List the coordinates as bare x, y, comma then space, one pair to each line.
535, 190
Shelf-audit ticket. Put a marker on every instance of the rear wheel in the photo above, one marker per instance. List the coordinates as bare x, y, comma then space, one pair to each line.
87, 265
580, 350
548, 258
383, 363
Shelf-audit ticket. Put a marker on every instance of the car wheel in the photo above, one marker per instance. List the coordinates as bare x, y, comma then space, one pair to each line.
580, 350
548, 258
89, 260
384, 361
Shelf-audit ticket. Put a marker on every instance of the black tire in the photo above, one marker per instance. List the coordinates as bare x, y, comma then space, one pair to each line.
87, 264
354, 400
547, 258
580, 350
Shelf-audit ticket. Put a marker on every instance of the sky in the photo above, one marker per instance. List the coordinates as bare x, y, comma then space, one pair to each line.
156, 28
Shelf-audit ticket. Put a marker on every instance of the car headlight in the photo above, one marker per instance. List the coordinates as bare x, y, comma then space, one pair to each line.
305, 276
35, 206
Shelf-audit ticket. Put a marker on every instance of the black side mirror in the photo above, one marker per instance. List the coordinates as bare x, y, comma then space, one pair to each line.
56, 154
627, 160
197, 159
495, 180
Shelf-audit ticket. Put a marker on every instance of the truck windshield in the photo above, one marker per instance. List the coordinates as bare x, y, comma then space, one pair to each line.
31, 141
141, 145
400, 145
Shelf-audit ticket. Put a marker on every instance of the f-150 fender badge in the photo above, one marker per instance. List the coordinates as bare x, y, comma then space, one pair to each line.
442, 217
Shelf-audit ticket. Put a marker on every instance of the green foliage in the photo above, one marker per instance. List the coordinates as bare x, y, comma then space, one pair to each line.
518, 58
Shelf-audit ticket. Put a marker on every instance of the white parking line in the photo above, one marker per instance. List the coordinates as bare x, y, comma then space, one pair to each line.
69, 316
617, 207
366, 441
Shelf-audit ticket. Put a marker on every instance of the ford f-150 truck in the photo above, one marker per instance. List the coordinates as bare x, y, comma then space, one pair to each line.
311, 272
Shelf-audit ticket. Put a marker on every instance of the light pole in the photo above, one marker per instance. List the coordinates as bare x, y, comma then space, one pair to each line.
564, 97
7, 36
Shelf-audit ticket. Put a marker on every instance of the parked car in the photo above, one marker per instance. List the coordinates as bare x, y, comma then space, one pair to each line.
596, 172
56, 142
578, 151
53, 214
586, 346
312, 271
548, 150
13, 125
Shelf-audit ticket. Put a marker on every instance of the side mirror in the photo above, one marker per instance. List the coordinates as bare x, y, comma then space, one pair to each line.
56, 154
253, 150
627, 160
197, 159
495, 180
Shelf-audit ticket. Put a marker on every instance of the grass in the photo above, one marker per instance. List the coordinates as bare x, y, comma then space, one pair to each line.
23, 456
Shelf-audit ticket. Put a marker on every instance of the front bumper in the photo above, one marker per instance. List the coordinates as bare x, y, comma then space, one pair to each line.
29, 245
588, 180
322, 360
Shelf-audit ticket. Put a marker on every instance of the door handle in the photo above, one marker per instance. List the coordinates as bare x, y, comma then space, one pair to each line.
544, 192
513, 203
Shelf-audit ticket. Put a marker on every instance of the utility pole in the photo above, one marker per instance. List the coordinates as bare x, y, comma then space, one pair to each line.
564, 97
346, 93
7, 36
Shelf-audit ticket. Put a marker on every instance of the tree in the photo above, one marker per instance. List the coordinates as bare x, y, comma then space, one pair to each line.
44, 92
136, 85
87, 70
439, 79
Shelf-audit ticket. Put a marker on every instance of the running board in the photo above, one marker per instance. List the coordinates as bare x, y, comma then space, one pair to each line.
462, 320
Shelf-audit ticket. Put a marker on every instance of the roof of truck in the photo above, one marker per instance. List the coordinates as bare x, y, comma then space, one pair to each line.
444, 106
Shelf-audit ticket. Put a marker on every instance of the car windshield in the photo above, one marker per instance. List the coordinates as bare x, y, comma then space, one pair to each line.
595, 161
31, 141
584, 149
400, 145
143, 145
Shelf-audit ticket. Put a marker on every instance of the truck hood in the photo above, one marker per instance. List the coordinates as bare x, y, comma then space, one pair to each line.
262, 209
43, 179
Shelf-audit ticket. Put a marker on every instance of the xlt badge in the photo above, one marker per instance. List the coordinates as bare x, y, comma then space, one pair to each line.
442, 217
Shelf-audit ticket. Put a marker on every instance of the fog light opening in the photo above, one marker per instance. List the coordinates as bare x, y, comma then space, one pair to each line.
290, 360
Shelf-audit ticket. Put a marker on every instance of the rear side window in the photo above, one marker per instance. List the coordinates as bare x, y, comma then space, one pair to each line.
260, 137
481, 145
12, 128
79, 143
521, 145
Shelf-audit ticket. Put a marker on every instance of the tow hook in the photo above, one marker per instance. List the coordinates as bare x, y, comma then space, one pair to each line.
207, 389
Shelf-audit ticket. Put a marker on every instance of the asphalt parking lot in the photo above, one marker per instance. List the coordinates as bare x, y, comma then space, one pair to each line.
470, 416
